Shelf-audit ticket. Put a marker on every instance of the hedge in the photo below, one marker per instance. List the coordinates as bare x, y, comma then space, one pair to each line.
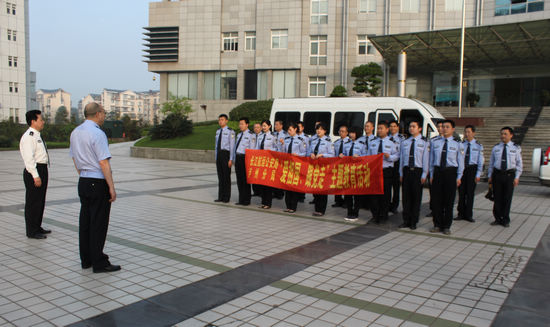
256, 110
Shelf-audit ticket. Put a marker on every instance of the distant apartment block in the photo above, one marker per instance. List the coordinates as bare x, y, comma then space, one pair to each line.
50, 100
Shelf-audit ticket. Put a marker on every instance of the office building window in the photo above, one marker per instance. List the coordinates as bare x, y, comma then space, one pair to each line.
183, 85
8, 8
250, 41
367, 5
410, 5
13, 87
283, 84
229, 85
318, 50
230, 41
13, 9
453, 5
364, 47
9, 35
220, 85
319, 11
317, 86
512, 7
10, 61
279, 39
14, 61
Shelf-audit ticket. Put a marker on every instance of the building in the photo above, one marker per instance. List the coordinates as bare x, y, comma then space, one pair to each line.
50, 100
221, 53
117, 103
15, 76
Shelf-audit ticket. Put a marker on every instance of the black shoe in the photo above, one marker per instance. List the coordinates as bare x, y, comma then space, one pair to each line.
506, 225
218, 200
446, 231
225, 201
495, 223
459, 218
413, 227
472, 220
44, 231
431, 214
435, 230
109, 268
403, 225
86, 266
38, 236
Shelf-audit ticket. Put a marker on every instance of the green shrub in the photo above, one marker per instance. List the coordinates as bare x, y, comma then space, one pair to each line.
256, 110
57, 133
10, 133
5, 141
172, 126
338, 92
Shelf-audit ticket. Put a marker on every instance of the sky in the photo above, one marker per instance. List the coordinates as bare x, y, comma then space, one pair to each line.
84, 46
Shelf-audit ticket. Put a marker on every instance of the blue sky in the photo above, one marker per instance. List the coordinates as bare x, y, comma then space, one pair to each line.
84, 46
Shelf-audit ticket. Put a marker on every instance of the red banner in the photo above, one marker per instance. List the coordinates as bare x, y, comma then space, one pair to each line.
348, 175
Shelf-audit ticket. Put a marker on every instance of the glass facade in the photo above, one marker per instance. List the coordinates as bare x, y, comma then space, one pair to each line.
511, 7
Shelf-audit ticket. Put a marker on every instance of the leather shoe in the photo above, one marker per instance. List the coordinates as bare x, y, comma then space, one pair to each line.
435, 230
413, 227
403, 225
109, 268
38, 236
495, 223
458, 218
218, 200
86, 266
45, 231
472, 220
506, 225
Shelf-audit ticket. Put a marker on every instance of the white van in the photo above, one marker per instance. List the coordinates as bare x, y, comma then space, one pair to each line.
335, 112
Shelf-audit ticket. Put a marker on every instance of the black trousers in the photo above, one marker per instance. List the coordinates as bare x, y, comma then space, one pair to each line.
291, 200
278, 193
503, 190
244, 187
443, 193
339, 200
266, 193
320, 202
466, 192
35, 199
256, 189
353, 204
396, 185
224, 176
380, 203
94, 220
412, 195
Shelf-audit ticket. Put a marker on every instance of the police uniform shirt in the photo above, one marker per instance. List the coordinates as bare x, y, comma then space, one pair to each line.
476, 155
323, 145
388, 146
247, 141
33, 151
313, 138
305, 136
340, 142
227, 142
280, 136
455, 156
88, 147
359, 148
299, 145
421, 154
397, 138
269, 141
513, 158
366, 140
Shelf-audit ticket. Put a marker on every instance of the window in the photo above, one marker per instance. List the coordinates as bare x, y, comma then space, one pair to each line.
287, 117
14, 61
229, 85
410, 5
453, 5
10, 61
8, 8
183, 85
255, 84
13, 9
319, 11
261, 89
317, 86
220, 85
283, 84
367, 5
9, 35
511, 7
11, 87
364, 47
279, 39
349, 119
318, 50
230, 41
311, 117
250, 41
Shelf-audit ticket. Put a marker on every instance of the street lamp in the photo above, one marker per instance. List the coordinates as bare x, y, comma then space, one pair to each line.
461, 59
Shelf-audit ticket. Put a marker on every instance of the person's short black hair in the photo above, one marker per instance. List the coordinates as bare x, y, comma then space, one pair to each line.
321, 125
507, 128
343, 125
450, 121
393, 121
417, 123
267, 121
293, 125
439, 122
357, 130
279, 121
224, 116
384, 123
245, 120
32, 115
472, 127
369, 121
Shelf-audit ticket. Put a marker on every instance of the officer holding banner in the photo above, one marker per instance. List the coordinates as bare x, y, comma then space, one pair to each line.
339, 146
322, 147
297, 146
245, 140
354, 148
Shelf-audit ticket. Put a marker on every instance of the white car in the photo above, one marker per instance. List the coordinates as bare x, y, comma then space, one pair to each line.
541, 165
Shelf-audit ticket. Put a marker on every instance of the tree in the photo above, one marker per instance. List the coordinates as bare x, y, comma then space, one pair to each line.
61, 116
113, 115
339, 91
367, 78
178, 106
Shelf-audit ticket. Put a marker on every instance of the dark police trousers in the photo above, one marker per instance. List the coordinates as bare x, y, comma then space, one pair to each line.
244, 187
320, 202
380, 203
35, 199
291, 200
466, 192
443, 192
94, 220
395, 187
412, 194
353, 204
503, 190
224, 176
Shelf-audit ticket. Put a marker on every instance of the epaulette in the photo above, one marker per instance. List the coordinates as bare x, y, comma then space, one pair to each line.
393, 140
327, 138
347, 141
457, 139
374, 138
31, 133
361, 142
231, 129
299, 137
288, 137
424, 138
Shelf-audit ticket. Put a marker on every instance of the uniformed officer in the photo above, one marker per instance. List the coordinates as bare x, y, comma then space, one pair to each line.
354, 148
439, 126
473, 167
446, 168
339, 146
245, 140
413, 170
90, 152
297, 146
314, 137
366, 139
505, 168
225, 145
266, 141
35, 175
398, 138
301, 127
257, 130
321, 148
280, 135
380, 204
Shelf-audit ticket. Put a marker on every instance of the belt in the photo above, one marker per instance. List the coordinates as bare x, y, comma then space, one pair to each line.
223, 150
509, 171
471, 166
41, 165
446, 168
240, 154
412, 168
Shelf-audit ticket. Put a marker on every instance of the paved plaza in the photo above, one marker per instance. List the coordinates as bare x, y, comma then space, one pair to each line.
187, 261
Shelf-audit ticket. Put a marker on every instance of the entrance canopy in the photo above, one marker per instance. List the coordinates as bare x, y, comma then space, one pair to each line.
523, 43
